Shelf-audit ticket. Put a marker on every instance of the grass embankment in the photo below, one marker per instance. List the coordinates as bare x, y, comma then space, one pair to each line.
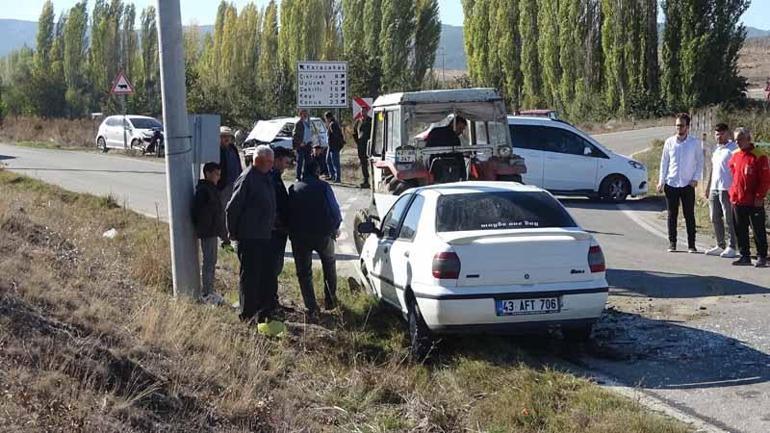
92, 341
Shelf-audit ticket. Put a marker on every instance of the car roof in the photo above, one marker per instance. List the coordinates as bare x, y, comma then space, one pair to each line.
134, 116
472, 187
439, 96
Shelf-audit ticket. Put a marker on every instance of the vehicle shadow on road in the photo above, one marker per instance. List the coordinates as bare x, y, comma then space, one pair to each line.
646, 204
6, 157
667, 285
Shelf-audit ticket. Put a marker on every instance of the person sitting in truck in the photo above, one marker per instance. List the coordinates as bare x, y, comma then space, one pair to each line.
449, 135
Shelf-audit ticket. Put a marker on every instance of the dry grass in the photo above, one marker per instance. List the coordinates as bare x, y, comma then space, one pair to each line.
53, 133
91, 341
754, 61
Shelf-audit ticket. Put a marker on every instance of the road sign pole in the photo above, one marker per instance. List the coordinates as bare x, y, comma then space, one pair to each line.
179, 181
125, 123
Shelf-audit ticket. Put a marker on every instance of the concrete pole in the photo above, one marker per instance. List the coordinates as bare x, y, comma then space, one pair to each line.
179, 181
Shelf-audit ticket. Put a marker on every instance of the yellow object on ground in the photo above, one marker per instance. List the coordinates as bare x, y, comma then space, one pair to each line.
272, 328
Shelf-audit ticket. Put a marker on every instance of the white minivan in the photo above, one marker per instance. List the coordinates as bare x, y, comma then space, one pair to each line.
566, 161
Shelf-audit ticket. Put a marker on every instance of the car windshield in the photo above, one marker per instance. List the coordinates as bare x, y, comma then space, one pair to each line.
145, 123
499, 211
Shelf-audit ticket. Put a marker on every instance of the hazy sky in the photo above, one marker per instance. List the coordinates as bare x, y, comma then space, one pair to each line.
203, 11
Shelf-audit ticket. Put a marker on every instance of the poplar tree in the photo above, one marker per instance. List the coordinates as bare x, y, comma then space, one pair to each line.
398, 21
548, 45
75, 44
530, 61
45, 38
427, 34
570, 43
509, 50
150, 79
671, 83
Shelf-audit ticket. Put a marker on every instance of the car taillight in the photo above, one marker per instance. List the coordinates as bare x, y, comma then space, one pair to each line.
596, 259
446, 266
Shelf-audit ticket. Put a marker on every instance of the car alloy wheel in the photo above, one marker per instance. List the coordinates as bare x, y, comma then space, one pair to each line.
101, 144
615, 189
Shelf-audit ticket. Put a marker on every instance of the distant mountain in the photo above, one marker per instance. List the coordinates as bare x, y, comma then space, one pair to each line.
14, 34
753, 32
451, 49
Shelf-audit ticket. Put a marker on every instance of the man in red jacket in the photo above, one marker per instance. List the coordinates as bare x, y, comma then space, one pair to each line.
751, 182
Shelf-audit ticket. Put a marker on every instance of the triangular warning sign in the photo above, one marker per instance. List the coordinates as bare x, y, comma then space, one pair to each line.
121, 85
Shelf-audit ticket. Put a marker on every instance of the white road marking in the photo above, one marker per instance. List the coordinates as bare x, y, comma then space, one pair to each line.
630, 213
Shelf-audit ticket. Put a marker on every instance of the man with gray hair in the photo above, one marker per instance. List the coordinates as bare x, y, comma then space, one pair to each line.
751, 182
250, 220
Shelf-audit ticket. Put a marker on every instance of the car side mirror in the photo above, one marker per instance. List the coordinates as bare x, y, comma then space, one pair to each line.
368, 227
587, 151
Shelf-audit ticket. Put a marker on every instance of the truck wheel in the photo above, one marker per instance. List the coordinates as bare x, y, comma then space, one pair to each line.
420, 336
358, 239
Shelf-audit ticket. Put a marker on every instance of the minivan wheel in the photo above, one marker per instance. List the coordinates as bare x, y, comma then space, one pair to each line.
615, 188
101, 144
420, 336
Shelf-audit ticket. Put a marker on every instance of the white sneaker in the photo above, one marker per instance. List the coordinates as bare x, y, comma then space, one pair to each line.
713, 251
729, 253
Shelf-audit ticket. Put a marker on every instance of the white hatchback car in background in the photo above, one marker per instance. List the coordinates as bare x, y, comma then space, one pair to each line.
566, 161
137, 129
278, 133
484, 256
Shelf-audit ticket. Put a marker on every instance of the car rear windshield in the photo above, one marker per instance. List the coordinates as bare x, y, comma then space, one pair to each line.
145, 123
500, 210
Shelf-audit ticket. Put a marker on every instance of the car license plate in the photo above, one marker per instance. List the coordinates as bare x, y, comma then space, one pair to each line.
515, 307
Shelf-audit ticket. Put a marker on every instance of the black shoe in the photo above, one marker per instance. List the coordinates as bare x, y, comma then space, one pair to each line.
761, 262
364, 184
692, 250
672, 247
743, 261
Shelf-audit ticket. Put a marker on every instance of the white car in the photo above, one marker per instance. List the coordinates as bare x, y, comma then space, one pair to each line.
484, 256
278, 133
566, 161
137, 129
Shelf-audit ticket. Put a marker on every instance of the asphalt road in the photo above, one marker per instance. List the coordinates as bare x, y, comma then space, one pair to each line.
688, 329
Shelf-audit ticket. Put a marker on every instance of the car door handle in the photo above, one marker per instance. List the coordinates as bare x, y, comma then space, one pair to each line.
386, 250
406, 254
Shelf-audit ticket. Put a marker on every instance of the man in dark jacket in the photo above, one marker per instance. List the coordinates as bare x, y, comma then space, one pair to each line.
209, 221
250, 221
280, 233
302, 140
361, 134
314, 222
230, 165
336, 142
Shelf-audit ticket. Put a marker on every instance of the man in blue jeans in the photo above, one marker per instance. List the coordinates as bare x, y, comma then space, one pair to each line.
336, 141
314, 222
302, 140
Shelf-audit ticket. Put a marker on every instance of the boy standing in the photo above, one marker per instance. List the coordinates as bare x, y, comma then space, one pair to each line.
208, 217
718, 193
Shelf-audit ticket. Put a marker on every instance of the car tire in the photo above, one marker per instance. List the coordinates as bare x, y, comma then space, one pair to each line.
420, 337
615, 189
578, 333
135, 144
101, 144
362, 215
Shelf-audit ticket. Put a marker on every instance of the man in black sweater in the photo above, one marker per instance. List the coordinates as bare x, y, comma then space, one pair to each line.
314, 222
250, 220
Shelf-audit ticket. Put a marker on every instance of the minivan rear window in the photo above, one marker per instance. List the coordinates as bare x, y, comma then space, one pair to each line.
500, 210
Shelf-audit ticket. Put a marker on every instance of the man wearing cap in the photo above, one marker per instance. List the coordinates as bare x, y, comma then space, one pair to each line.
302, 139
231, 168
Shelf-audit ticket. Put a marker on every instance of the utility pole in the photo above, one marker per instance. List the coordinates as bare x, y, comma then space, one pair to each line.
179, 181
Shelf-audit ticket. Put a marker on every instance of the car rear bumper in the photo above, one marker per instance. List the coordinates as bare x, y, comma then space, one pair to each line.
468, 312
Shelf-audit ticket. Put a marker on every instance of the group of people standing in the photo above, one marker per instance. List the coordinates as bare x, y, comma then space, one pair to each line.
738, 184
256, 210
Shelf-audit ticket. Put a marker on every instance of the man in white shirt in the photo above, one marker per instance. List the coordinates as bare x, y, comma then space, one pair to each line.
681, 167
718, 193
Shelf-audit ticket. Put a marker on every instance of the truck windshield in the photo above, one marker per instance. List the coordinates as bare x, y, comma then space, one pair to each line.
500, 210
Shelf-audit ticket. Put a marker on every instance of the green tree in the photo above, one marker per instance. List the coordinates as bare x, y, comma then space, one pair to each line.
75, 56
373, 27
45, 38
570, 46
671, 83
509, 50
548, 50
427, 34
150, 76
398, 22
530, 64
